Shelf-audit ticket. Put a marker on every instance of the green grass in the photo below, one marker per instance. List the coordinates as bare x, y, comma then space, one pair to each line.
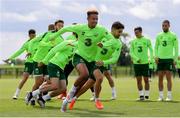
125, 105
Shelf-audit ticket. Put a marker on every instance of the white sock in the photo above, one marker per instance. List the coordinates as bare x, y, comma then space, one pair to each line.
146, 93
46, 97
17, 91
75, 97
74, 88
113, 90
141, 93
96, 99
72, 92
36, 92
169, 94
161, 94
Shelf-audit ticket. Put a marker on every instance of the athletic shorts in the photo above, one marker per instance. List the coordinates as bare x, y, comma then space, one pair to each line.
165, 65
105, 68
55, 71
28, 67
40, 70
67, 70
77, 59
141, 70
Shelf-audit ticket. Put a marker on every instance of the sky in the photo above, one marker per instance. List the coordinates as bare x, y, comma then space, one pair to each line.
18, 16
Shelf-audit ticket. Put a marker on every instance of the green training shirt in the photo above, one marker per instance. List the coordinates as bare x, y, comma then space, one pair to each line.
87, 39
139, 50
110, 52
166, 46
61, 54
45, 46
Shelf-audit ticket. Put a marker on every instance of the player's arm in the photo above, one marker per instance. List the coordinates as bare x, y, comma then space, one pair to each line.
132, 54
176, 49
115, 56
32, 42
156, 49
108, 36
72, 28
19, 52
59, 48
150, 50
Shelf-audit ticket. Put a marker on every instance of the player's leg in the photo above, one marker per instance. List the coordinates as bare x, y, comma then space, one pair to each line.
140, 87
93, 94
147, 88
80, 65
145, 74
67, 70
107, 74
138, 70
160, 85
38, 73
179, 72
88, 84
160, 69
169, 85
97, 87
27, 71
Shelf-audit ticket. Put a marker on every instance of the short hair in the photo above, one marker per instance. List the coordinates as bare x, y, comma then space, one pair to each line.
32, 31
117, 25
59, 21
138, 28
166, 21
90, 12
51, 27
74, 23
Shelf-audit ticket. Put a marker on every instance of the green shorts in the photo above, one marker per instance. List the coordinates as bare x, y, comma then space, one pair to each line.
28, 67
40, 70
56, 71
67, 70
105, 68
77, 59
165, 65
141, 70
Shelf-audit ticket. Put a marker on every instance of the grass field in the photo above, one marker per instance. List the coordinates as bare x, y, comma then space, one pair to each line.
125, 105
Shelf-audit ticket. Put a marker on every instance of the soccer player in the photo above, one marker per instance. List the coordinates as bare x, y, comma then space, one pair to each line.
108, 53
44, 47
178, 66
88, 36
74, 36
58, 58
139, 53
69, 67
28, 69
166, 53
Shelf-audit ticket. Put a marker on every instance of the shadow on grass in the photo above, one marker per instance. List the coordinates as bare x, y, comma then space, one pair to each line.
94, 113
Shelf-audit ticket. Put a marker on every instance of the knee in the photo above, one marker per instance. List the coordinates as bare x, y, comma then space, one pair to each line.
84, 74
54, 86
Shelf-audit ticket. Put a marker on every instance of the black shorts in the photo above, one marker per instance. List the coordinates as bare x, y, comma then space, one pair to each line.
165, 65
40, 70
56, 72
141, 70
28, 67
77, 59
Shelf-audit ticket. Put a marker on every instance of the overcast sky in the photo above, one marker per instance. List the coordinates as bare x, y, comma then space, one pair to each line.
18, 16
